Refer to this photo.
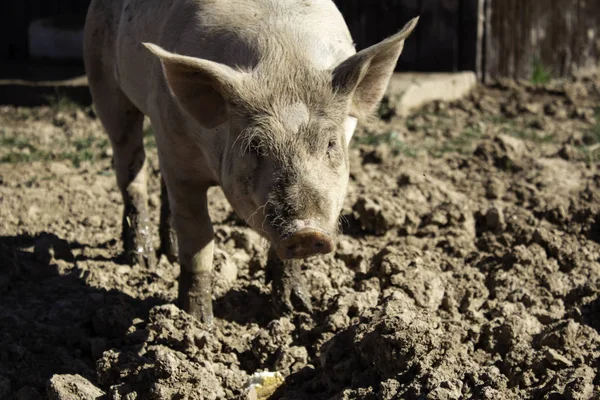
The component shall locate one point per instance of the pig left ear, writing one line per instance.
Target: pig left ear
(201, 87)
(365, 75)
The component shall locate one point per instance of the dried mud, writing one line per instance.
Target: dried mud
(468, 267)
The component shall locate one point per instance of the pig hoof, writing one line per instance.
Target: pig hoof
(169, 249)
(199, 309)
(145, 258)
(137, 245)
(195, 295)
(168, 243)
(143, 255)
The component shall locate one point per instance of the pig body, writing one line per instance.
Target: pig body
(260, 97)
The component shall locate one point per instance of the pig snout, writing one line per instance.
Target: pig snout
(303, 241)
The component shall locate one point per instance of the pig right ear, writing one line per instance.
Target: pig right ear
(365, 75)
(201, 87)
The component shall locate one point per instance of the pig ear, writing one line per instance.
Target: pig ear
(365, 75)
(202, 87)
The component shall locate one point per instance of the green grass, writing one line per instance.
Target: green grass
(594, 132)
(591, 149)
(77, 150)
(591, 154)
(387, 109)
(15, 142)
(499, 119)
(528, 134)
(511, 128)
(149, 140)
(540, 74)
(58, 102)
(462, 144)
(389, 138)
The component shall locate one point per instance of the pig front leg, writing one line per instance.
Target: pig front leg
(123, 123)
(288, 287)
(168, 237)
(195, 238)
(136, 235)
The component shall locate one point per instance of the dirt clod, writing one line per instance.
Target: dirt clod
(72, 387)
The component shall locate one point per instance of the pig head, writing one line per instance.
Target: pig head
(274, 135)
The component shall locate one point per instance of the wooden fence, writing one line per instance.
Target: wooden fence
(15, 16)
(492, 37)
(444, 40)
(560, 36)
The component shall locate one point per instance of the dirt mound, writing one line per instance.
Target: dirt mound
(468, 267)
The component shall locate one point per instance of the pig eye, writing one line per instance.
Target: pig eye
(332, 145)
(255, 149)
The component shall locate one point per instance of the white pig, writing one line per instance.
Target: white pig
(260, 97)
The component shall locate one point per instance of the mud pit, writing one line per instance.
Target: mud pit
(469, 266)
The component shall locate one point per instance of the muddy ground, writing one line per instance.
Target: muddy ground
(468, 268)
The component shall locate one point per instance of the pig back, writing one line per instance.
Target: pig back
(238, 33)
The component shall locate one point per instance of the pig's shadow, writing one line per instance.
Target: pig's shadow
(590, 314)
(245, 306)
(52, 322)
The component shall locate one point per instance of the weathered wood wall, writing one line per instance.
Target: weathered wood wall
(15, 16)
(492, 37)
(562, 35)
(444, 40)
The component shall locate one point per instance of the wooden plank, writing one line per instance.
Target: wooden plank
(80, 6)
(4, 36)
(469, 35)
(438, 38)
(585, 40)
(559, 36)
(18, 29)
(409, 60)
(46, 8)
(370, 21)
(34, 11)
(15, 17)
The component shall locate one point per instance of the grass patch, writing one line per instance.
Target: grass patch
(593, 134)
(527, 134)
(391, 139)
(59, 102)
(540, 74)
(26, 157)
(511, 128)
(499, 119)
(76, 150)
(591, 149)
(591, 154)
(15, 142)
(149, 139)
(462, 144)
(387, 106)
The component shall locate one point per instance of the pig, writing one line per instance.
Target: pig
(260, 97)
